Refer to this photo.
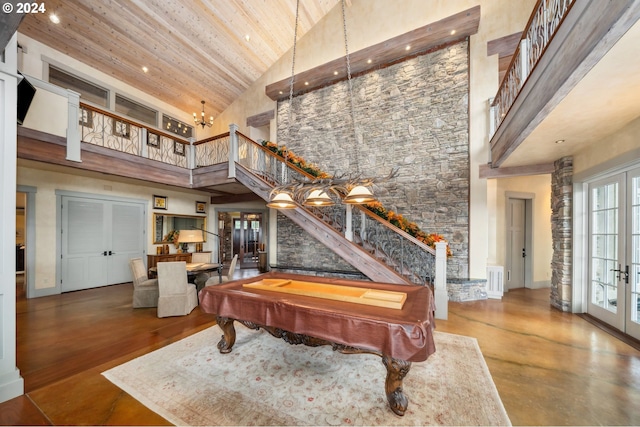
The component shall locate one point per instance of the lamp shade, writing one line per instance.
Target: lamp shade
(358, 195)
(190, 236)
(282, 201)
(318, 198)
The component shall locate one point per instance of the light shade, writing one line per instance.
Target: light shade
(282, 201)
(358, 195)
(318, 198)
(190, 236)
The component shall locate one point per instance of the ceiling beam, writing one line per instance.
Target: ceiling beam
(486, 171)
(420, 41)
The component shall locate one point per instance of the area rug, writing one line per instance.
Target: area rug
(265, 381)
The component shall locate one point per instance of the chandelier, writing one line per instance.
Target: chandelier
(350, 189)
(200, 121)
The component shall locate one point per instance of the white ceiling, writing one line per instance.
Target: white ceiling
(604, 101)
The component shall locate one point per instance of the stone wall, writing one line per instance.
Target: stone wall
(413, 115)
(562, 233)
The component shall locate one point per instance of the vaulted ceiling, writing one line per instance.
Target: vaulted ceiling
(194, 50)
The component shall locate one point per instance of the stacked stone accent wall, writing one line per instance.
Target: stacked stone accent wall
(562, 233)
(413, 115)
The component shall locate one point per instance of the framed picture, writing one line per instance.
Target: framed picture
(86, 118)
(201, 207)
(159, 202)
(178, 148)
(153, 139)
(121, 128)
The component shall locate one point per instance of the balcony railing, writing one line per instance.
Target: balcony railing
(105, 129)
(542, 26)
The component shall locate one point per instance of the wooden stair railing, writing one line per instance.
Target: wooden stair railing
(360, 237)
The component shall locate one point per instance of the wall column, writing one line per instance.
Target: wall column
(562, 233)
(11, 383)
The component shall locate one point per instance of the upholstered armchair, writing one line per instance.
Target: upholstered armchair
(215, 279)
(145, 290)
(177, 296)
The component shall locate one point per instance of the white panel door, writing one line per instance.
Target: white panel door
(98, 239)
(127, 239)
(632, 293)
(516, 220)
(84, 236)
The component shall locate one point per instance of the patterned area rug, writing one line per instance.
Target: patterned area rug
(265, 381)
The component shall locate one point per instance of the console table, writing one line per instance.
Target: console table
(153, 260)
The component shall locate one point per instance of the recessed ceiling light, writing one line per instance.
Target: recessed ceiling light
(280, 92)
(306, 83)
(54, 18)
(247, 37)
(145, 69)
(408, 47)
(453, 32)
(335, 73)
(559, 141)
(368, 61)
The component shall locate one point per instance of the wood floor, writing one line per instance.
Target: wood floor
(550, 368)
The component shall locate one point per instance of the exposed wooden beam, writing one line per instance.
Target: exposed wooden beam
(261, 119)
(486, 171)
(420, 40)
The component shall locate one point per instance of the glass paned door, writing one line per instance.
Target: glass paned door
(633, 256)
(606, 238)
(614, 252)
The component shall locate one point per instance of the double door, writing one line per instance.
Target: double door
(98, 238)
(248, 238)
(614, 251)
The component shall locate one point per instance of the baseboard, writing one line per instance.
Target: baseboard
(627, 339)
(12, 386)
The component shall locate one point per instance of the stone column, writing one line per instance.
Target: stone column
(562, 233)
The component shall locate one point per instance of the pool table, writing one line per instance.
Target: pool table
(398, 335)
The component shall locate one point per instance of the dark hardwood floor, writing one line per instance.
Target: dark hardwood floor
(550, 368)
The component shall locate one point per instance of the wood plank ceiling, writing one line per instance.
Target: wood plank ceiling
(194, 49)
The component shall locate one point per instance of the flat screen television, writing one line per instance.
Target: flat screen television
(26, 92)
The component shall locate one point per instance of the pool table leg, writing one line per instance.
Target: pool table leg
(396, 371)
(229, 338)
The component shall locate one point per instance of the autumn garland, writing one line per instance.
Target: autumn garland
(394, 218)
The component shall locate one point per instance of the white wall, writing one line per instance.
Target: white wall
(542, 245)
(179, 201)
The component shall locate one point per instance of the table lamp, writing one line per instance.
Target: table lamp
(189, 236)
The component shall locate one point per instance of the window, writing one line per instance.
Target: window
(135, 111)
(88, 91)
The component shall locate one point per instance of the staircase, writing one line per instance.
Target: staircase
(375, 247)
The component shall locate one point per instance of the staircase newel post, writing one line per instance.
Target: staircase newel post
(233, 149)
(191, 158)
(440, 285)
(348, 232)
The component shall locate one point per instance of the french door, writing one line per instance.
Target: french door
(614, 251)
(98, 238)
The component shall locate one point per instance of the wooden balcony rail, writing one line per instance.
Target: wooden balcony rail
(547, 16)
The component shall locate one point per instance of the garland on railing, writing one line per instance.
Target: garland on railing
(394, 218)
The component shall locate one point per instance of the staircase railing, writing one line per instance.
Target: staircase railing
(409, 257)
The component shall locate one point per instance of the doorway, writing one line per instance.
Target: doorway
(518, 247)
(248, 236)
(614, 244)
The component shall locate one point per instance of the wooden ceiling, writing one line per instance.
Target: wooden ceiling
(194, 49)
